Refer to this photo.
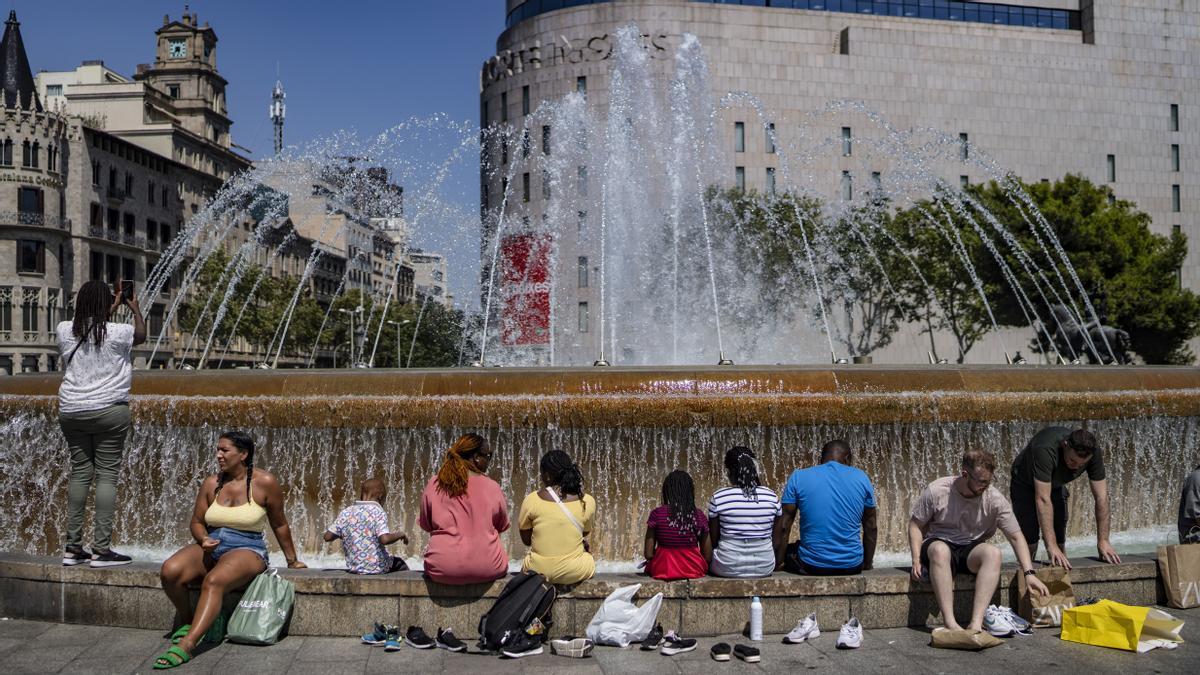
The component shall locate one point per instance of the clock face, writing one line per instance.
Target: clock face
(177, 49)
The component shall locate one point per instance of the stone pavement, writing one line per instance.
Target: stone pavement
(36, 647)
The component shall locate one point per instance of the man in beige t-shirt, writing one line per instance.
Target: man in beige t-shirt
(948, 532)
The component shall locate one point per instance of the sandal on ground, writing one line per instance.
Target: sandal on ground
(180, 633)
(173, 657)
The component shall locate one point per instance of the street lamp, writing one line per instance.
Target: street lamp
(397, 324)
(351, 312)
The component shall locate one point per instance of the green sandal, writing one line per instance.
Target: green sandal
(173, 657)
(180, 633)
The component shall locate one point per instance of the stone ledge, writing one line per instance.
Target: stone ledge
(332, 602)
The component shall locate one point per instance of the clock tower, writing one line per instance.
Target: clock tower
(185, 70)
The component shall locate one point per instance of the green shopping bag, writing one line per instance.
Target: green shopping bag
(263, 610)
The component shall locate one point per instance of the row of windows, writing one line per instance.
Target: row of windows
(115, 190)
(129, 152)
(946, 10)
(30, 154)
(31, 309)
(113, 219)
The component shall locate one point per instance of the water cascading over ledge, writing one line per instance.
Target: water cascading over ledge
(321, 432)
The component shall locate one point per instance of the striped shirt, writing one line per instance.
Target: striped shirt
(741, 517)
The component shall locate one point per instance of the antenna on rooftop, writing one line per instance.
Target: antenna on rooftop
(278, 111)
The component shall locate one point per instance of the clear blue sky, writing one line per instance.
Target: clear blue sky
(353, 64)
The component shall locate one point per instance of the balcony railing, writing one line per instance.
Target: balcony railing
(36, 219)
(115, 193)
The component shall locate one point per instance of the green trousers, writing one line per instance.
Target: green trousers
(97, 442)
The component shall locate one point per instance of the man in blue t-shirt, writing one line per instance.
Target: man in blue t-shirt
(834, 500)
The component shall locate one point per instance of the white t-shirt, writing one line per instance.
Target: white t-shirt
(96, 377)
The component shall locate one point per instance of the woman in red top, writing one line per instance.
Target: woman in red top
(677, 542)
(464, 513)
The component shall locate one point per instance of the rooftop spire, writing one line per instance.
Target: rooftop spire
(15, 75)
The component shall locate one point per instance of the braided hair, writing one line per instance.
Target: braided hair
(557, 466)
(452, 477)
(742, 471)
(244, 442)
(679, 495)
(92, 305)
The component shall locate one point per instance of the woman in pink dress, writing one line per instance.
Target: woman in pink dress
(464, 513)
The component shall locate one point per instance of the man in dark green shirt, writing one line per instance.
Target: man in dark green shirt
(1054, 457)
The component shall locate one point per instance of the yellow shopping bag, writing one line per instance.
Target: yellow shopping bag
(1111, 624)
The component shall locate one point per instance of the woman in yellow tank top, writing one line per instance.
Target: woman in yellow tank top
(233, 508)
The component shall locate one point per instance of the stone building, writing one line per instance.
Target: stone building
(1107, 89)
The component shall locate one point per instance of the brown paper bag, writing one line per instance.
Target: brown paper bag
(1179, 569)
(1044, 611)
(969, 640)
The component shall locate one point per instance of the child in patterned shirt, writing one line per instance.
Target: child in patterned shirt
(363, 529)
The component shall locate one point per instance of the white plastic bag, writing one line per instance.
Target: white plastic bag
(619, 622)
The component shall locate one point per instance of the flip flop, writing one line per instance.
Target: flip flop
(172, 658)
(180, 633)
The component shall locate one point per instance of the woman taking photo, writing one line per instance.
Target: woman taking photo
(464, 513)
(93, 412)
(233, 508)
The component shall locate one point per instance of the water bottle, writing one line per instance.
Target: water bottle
(756, 619)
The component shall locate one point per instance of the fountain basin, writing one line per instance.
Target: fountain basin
(323, 431)
(332, 602)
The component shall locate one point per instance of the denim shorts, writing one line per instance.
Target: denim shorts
(232, 540)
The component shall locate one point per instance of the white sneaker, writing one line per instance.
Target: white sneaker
(851, 635)
(1019, 624)
(807, 629)
(997, 623)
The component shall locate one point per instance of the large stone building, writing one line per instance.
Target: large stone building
(1106, 88)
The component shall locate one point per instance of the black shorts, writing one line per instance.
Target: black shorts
(1024, 506)
(792, 563)
(958, 555)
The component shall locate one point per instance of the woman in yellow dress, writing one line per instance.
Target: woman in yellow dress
(555, 522)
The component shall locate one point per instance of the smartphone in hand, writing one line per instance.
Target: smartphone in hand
(126, 291)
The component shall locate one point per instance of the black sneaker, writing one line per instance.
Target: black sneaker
(721, 651)
(747, 653)
(447, 641)
(76, 555)
(416, 637)
(523, 645)
(654, 639)
(673, 644)
(109, 558)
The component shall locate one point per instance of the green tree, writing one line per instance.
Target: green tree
(1132, 272)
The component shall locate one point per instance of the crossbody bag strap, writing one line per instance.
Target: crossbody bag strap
(565, 510)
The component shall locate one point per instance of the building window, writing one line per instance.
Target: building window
(97, 216)
(51, 158)
(581, 85)
(525, 186)
(580, 221)
(31, 256)
(770, 140)
(583, 272)
(739, 177)
(877, 181)
(545, 139)
(151, 230)
(546, 184)
(114, 219)
(5, 309)
(525, 100)
(31, 206)
(1175, 200)
(504, 150)
(128, 184)
(97, 270)
(582, 181)
(29, 312)
(6, 152)
(26, 156)
(963, 182)
(964, 147)
(173, 90)
(1112, 168)
(504, 106)
(165, 194)
(771, 180)
(53, 90)
(847, 186)
(156, 320)
(847, 142)
(583, 317)
(128, 269)
(96, 173)
(1175, 157)
(112, 179)
(150, 191)
(130, 223)
(739, 136)
(1174, 117)
(525, 143)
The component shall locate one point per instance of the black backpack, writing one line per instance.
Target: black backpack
(526, 597)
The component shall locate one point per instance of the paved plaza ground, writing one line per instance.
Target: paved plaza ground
(36, 647)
